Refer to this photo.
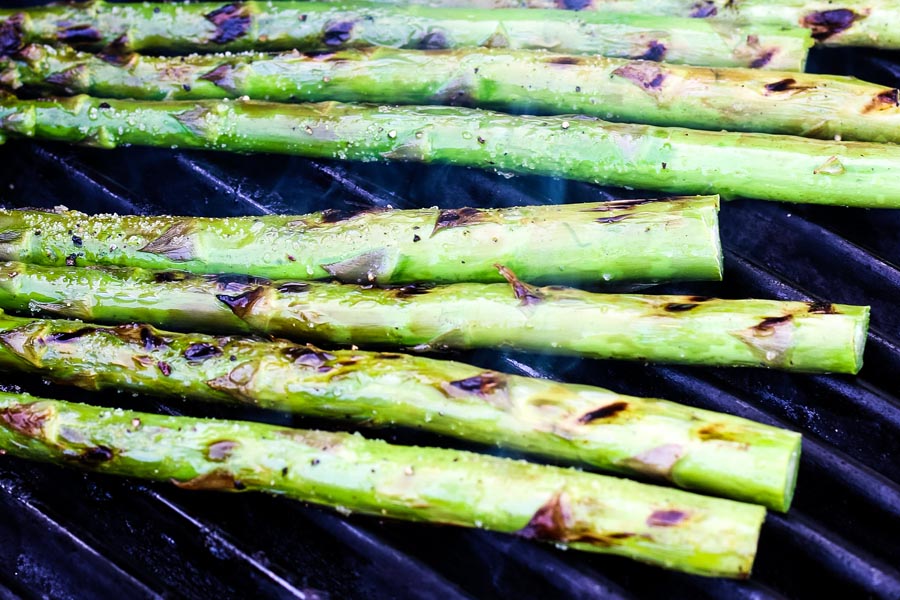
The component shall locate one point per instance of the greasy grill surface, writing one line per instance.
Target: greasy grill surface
(69, 534)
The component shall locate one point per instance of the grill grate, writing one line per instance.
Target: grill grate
(72, 535)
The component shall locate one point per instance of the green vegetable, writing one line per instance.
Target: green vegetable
(674, 160)
(688, 447)
(506, 80)
(173, 28)
(870, 23)
(610, 241)
(802, 336)
(665, 527)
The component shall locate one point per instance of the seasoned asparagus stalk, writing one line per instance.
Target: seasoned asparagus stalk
(689, 447)
(801, 336)
(870, 23)
(665, 527)
(506, 80)
(313, 26)
(673, 160)
(609, 241)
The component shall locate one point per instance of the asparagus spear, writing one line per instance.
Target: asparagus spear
(674, 160)
(609, 241)
(801, 336)
(689, 447)
(313, 26)
(870, 23)
(521, 81)
(665, 527)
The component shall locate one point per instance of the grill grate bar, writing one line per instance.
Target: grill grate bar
(218, 183)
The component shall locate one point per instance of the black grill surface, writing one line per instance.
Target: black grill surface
(66, 534)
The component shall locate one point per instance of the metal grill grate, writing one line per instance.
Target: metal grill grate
(66, 534)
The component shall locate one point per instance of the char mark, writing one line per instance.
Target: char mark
(222, 77)
(666, 518)
(458, 217)
(241, 304)
(68, 336)
(827, 23)
(822, 308)
(96, 455)
(141, 334)
(762, 60)
(201, 351)
(309, 356)
(26, 419)
(232, 21)
(883, 100)
(235, 282)
(573, 4)
(603, 412)
(335, 215)
(680, 307)
(220, 450)
(528, 294)
(11, 38)
(704, 9)
(433, 40)
(337, 33)
(484, 384)
(564, 60)
(770, 323)
(786, 85)
(117, 52)
(214, 480)
(656, 51)
(76, 35)
(649, 77)
(293, 287)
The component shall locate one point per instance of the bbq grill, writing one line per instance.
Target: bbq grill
(67, 534)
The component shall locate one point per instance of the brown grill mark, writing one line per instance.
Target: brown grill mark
(140, 334)
(485, 384)
(656, 51)
(77, 34)
(827, 23)
(232, 21)
(769, 324)
(308, 356)
(564, 60)
(27, 419)
(762, 60)
(457, 217)
(335, 215)
(174, 242)
(96, 455)
(68, 336)
(884, 100)
(337, 33)
(164, 368)
(411, 290)
(201, 351)
(786, 85)
(666, 518)
(433, 40)
(549, 522)
(11, 38)
(528, 294)
(230, 282)
(221, 450)
(603, 412)
(214, 480)
(573, 4)
(680, 307)
(221, 76)
(649, 77)
(293, 287)
(117, 52)
(822, 308)
(170, 276)
(702, 10)
(241, 304)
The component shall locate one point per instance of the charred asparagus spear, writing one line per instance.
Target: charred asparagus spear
(312, 26)
(674, 160)
(799, 336)
(689, 447)
(665, 527)
(609, 241)
(508, 80)
(870, 23)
